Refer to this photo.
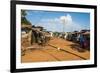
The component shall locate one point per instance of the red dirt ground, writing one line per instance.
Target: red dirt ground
(68, 51)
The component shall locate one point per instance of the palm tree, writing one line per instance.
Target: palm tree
(23, 18)
(23, 13)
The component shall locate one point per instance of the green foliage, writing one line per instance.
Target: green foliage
(23, 18)
(25, 21)
(23, 13)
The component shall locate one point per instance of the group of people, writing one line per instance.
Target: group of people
(77, 37)
(39, 37)
(84, 40)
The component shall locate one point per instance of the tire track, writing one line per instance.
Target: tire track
(68, 52)
(51, 55)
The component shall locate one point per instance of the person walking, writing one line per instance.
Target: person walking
(81, 40)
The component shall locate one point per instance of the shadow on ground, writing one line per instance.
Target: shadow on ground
(78, 48)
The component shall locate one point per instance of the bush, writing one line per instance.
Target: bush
(25, 21)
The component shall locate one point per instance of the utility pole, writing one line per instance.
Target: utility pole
(64, 25)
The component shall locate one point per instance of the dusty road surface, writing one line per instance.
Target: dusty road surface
(57, 49)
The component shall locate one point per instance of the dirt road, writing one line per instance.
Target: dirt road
(67, 51)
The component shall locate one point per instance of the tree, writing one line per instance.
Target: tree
(23, 13)
(24, 19)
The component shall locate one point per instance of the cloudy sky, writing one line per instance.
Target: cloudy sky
(59, 21)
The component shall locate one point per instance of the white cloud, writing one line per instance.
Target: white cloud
(70, 24)
(56, 24)
(73, 27)
(53, 21)
(61, 20)
(66, 19)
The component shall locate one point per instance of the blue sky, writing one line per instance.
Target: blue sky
(59, 21)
